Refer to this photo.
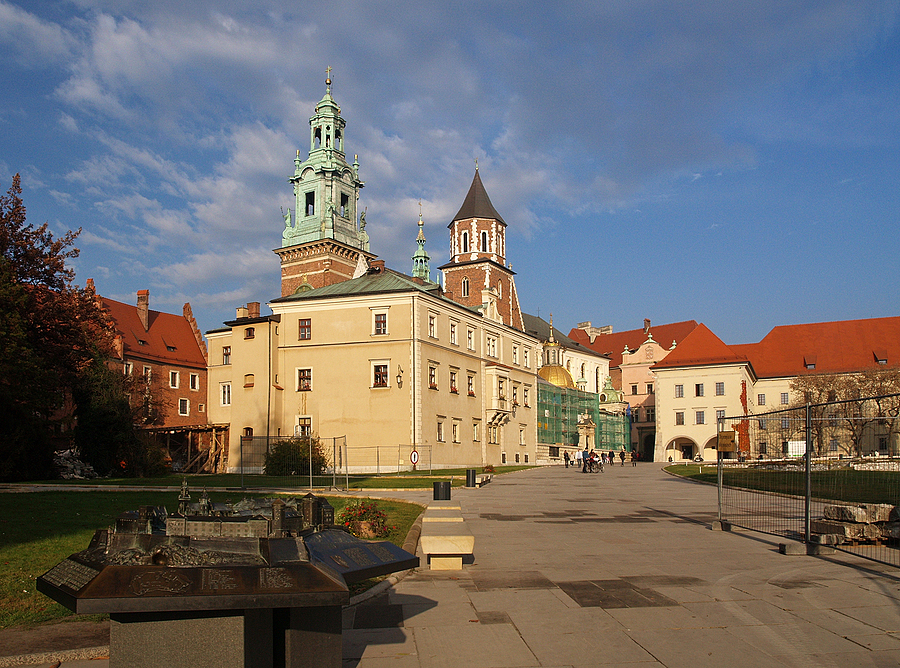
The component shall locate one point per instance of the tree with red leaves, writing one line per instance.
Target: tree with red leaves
(51, 331)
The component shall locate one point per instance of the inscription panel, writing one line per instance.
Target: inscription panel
(71, 574)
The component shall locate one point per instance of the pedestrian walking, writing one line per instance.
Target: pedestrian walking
(577, 459)
(585, 460)
(634, 457)
(622, 456)
(566, 457)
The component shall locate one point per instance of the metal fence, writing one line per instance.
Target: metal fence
(284, 462)
(824, 473)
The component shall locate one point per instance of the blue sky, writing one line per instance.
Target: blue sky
(735, 163)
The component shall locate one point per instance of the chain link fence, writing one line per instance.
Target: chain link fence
(825, 473)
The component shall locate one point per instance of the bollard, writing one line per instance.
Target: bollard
(442, 491)
(470, 477)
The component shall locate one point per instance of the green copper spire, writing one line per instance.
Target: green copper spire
(420, 258)
(326, 186)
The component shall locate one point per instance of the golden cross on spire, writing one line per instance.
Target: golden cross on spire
(328, 72)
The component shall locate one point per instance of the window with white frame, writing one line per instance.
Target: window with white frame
(720, 389)
(226, 354)
(515, 354)
(679, 418)
(173, 379)
(501, 388)
(381, 325)
(127, 368)
(453, 387)
(303, 427)
(465, 286)
(720, 414)
(515, 395)
(649, 385)
(521, 436)
(634, 389)
(525, 359)
(432, 377)
(454, 431)
(305, 329)
(453, 327)
(785, 398)
(679, 391)
(698, 389)
(440, 431)
(470, 384)
(490, 345)
(470, 338)
(225, 393)
(379, 374)
(700, 417)
(184, 407)
(525, 396)
(148, 374)
(432, 325)
(195, 381)
(304, 380)
(476, 431)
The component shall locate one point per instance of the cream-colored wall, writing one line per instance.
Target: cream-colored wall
(702, 437)
(572, 360)
(342, 401)
(635, 368)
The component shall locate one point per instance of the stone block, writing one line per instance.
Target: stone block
(846, 530)
(441, 515)
(862, 513)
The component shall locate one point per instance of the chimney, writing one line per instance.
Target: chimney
(253, 309)
(376, 267)
(143, 308)
(241, 312)
(646, 325)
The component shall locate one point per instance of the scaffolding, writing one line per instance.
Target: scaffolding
(559, 409)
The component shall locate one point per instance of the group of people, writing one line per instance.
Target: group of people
(590, 460)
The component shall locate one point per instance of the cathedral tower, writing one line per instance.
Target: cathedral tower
(323, 244)
(477, 274)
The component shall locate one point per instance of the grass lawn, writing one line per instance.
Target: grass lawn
(421, 479)
(836, 485)
(40, 529)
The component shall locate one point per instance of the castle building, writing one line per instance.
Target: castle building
(393, 363)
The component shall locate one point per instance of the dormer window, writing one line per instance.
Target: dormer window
(809, 362)
(881, 356)
(141, 342)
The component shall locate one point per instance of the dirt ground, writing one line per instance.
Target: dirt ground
(66, 635)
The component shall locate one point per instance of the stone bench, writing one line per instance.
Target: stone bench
(445, 540)
(484, 479)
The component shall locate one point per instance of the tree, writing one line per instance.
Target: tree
(856, 404)
(51, 331)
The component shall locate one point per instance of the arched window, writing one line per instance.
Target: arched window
(465, 242)
(484, 243)
(465, 287)
(500, 289)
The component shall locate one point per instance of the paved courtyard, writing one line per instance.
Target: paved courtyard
(620, 569)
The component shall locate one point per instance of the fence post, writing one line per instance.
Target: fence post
(808, 500)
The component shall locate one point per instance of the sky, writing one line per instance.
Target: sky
(734, 163)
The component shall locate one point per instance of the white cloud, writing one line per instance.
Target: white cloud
(37, 43)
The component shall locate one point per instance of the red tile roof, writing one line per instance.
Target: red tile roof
(834, 347)
(614, 344)
(831, 347)
(166, 331)
(700, 347)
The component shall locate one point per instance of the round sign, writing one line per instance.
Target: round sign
(414, 457)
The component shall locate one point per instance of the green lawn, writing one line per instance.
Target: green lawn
(39, 529)
(836, 485)
(421, 479)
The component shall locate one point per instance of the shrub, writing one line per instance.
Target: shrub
(364, 511)
(291, 457)
(488, 469)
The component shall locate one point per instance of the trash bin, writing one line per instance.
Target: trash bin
(470, 477)
(442, 490)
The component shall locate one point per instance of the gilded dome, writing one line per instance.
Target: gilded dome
(553, 373)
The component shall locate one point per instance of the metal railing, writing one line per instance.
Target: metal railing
(825, 473)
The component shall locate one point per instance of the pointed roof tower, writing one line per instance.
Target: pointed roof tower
(324, 241)
(478, 274)
(420, 258)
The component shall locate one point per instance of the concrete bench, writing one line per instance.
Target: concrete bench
(445, 540)
(484, 479)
